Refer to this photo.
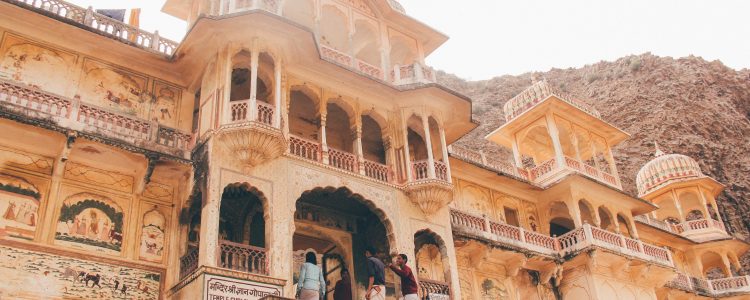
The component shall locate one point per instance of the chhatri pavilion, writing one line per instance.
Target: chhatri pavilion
(136, 167)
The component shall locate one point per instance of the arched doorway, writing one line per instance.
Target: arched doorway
(431, 264)
(337, 225)
(561, 222)
(242, 229)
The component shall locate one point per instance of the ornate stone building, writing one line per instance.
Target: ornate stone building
(132, 166)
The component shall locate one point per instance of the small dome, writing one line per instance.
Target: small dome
(664, 169)
(397, 6)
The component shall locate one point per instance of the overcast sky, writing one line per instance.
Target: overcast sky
(495, 37)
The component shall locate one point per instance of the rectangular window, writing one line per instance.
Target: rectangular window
(511, 216)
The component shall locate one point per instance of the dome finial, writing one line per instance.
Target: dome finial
(658, 150)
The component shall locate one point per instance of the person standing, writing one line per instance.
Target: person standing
(343, 289)
(311, 284)
(376, 274)
(409, 287)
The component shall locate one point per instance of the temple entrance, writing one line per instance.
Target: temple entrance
(337, 225)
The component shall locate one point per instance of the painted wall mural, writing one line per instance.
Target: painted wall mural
(36, 275)
(19, 205)
(152, 235)
(165, 108)
(90, 222)
(114, 88)
(493, 290)
(35, 65)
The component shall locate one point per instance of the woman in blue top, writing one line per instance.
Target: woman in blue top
(311, 284)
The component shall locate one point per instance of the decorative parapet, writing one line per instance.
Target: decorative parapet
(31, 105)
(711, 287)
(565, 245)
(537, 93)
(542, 175)
(101, 24)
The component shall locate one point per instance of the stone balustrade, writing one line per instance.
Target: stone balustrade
(570, 243)
(433, 289)
(189, 262)
(537, 93)
(243, 258)
(100, 24)
(486, 161)
(34, 105)
(711, 287)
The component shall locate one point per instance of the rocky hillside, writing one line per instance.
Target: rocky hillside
(689, 105)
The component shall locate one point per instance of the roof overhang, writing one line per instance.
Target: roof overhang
(504, 135)
(705, 182)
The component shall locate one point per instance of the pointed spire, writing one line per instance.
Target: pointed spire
(658, 150)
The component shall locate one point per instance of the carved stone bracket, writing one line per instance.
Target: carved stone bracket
(251, 144)
(430, 195)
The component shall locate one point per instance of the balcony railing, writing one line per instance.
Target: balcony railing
(31, 102)
(711, 287)
(432, 289)
(243, 258)
(369, 69)
(342, 160)
(421, 170)
(304, 148)
(239, 112)
(189, 262)
(537, 93)
(377, 171)
(489, 162)
(569, 243)
(335, 56)
(101, 24)
(414, 73)
(683, 228)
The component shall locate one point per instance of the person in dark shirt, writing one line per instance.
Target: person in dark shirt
(409, 286)
(376, 274)
(343, 289)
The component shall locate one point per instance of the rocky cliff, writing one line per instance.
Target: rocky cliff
(689, 105)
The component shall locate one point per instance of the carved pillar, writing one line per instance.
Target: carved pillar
(390, 156)
(517, 153)
(677, 205)
(407, 156)
(254, 85)
(277, 94)
(358, 144)
(555, 134)
(323, 141)
(428, 142)
(209, 231)
(445, 154)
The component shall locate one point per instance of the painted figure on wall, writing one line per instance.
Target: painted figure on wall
(114, 89)
(35, 275)
(152, 236)
(164, 108)
(34, 65)
(19, 204)
(492, 290)
(90, 222)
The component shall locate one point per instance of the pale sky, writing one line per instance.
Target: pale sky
(496, 37)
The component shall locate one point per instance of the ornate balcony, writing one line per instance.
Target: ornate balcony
(189, 262)
(31, 105)
(571, 243)
(430, 194)
(251, 141)
(711, 287)
(700, 230)
(100, 24)
(411, 74)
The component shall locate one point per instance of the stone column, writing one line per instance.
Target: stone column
(323, 141)
(428, 142)
(407, 156)
(277, 94)
(444, 147)
(253, 109)
(358, 144)
(555, 135)
(678, 206)
(517, 153)
(209, 231)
